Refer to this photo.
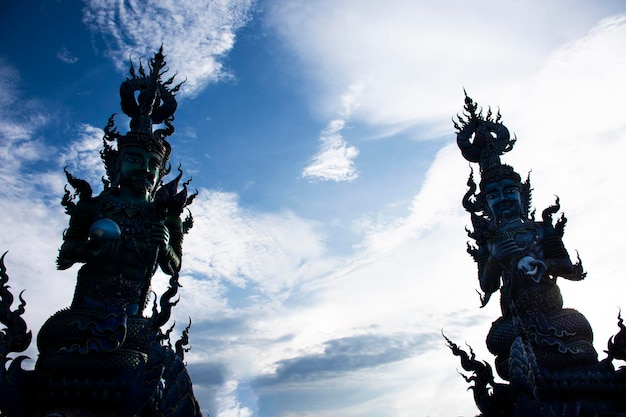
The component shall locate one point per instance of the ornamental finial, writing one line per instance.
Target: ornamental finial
(482, 139)
(147, 100)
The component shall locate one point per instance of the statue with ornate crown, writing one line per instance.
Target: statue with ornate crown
(542, 350)
(102, 356)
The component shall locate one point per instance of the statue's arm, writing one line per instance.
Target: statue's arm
(557, 259)
(75, 236)
(171, 254)
(489, 273)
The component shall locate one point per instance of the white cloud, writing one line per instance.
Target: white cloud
(196, 35)
(335, 159)
(243, 247)
(228, 405)
(32, 219)
(82, 156)
(417, 56)
(20, 118)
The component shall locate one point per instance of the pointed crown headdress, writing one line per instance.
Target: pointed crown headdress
(154, 104)
(482, 140)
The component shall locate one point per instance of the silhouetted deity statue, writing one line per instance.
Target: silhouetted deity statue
(542, 348)
(102, 356)
(523, 258)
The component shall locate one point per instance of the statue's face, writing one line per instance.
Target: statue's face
(504, 200)
(139, 169)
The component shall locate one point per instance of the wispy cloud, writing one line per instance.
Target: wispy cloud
(20, 120)
(418, 56)
(196, 35)
(66, 56)
(228, 402)
(246, 248)
(335, 159)
(82, 156)
(30, 222)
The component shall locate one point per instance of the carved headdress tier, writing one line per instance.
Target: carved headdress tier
(147, 100)
(482, 139)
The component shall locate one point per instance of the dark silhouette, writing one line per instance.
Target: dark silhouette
(102, 356)
(543, 350)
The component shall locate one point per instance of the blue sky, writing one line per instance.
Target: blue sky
(328, 250)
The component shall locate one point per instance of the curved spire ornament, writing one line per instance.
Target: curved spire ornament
(148, 100)
(482, 139)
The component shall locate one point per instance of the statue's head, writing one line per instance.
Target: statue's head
(141, 148)
(139, 169)
(502, 196)
(482, 139)
(140, 162)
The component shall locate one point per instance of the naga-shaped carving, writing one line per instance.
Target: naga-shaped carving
(155, 102)
(482, 140)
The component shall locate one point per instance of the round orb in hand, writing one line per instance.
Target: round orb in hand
(103, 230)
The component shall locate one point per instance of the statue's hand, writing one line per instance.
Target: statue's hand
(503, 250)
(166, 255)
(98, 250)
(532, 267)
(159, 235)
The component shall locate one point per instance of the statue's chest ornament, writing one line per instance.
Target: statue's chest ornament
(526, 238)
(130, 217)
